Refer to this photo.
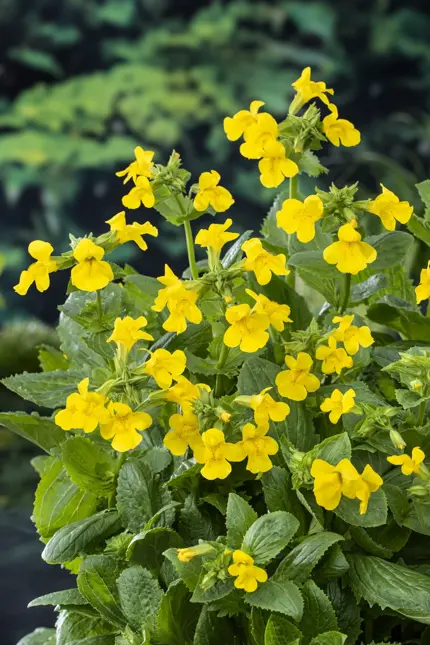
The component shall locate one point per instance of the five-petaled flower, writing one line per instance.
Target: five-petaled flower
(235, 126)
(183, 392)
(257, 135)
(278, 314)
(84, 410)
(142, 166)
(296, 382)
(351, 336)
(370, 483)
(123, 426)
(215, 453)
(131, 232)
(91, 273)
(216, 235)
(337, 404)
(262, 262)
(422, 291)
(179, 300)
(274, 165)
(211, 194)
(265, 407)
(247, 329)
(300, 217)
(307, 89)
(340, 131)
(141, 193)
(349, 254)
(246, 573)
(170, 282)
(184, 432)
(38, 272)
(334, 358)
(257, 447)
(127, 331)
(388, 207)
(409, 465)
(165, 367)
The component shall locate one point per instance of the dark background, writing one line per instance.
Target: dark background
(84, 81)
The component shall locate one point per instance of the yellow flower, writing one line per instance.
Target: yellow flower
(210, 194)
(123, 426)
(182, 306)
(370, 483)
(84, 410)
(340, 131)
(248, 330)
(184, 392)
(334, 358)
(274, 166)
(237, 125)
(296, 382)
(216, 235)
(190, 552)
(422, 291)
(265, 407)
(141, 167)
(308, 89)
(38, 272)
(127, 331)
(349, 254)
(409, 464)
(91, 273)
(215, 453)
(246, 573)
(262, 262)
(131, 232)
(330, 482)
(278, 314)
(141, 193)
(300, 217)
(257, 135)
(337, 404)
(257, 447)
(184, 432)
(170, 281)
(165, 367)
(388, 207)
(351, 336)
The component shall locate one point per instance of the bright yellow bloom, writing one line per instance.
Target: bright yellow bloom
(262, 262)
(370, 483)
(141, 167)
(141, 193)
(91, 273)
(84, 410)
(190, 552)
(388, 207)
(296, 382)
(182, 307)
(257, 135)
(248, 330)
(127, 331)
(330, 482)
(165, 367)
(337, 404)
(216, 235)
(210, 194)
(215, 453)
(340, 131)
(422, 291)
(334, 358)
(246, 573)
(308, 89)
(131, 232)
(278, 314)
(265, 407)
(274, 166)
(351, 336)
(38, 272)
(349, 254)
(184, 432)
(257, 447)
(237, 125)
(171, 282)
(409, 464)
(300, 217)
(123, 426)
(184, 392)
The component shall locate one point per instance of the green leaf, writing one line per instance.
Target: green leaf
(38, 59)
(329, 638)
(334, 565)
(364, 290)
(176, 622)
(269, 535)
(103, 639)
(40, 636)
(189, 572)
(333, 449)
(147, 548)
(279, 494)
(46, 389)
(89, 466)
(280, 631)
(39, 430)
(391, 247)
(363, 539)
(51, 359)
(240, 516)
(376, 514)
(347, 611)
(97, 583)
(74, 626)
(299, 563)
(76, 537)
(219, 590)
(282, 596)
(140, 596)
(65, 597)
(391, 313)
(197, 523)
(423, 188)
(212, 630)
(318, 613)
(420, 228)
(234, 253)
(408, 399)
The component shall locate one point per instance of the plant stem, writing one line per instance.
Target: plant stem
(346, 293)
(294, 184)
(99, 305)
(221, 361)
(421, 413)
(190, 250)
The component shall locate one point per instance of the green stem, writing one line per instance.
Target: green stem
(421, 413)
(294, 185)
(190, 250)
(99, 306)
(347, 290)
(221, 362)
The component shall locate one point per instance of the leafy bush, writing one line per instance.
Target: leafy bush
(223, 464)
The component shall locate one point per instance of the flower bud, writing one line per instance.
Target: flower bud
(397, 439)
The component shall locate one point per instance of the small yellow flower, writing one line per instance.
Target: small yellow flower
(296, 382)
(165, 367)
(184, 432)
(274, 166)
(265, 407)
(170, 282)
(409, 465)
(334, 358)
(237, 125)
(182, 308)
(210, 194)
(257, 135)
(257, 447)
(300, 217)
(225, 416)
(337, 404)
(127, 331)
(184, 392)
(262, 262)
(216, 235)
(246, 573)
(215, 453)
(141, 167)
(308, 89)
(84, 410)
(422, 291)
(123, 426)
(141, 193)
(340, 131)
(38, 272)
(247, 329)
(388, 207)
(330, 482)
(370, 483)
(91, 273)
(131, 232)
(278, 314)
(349, 254)
(188, 553)
(351, 336)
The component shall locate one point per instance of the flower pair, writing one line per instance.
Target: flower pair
(180, 300)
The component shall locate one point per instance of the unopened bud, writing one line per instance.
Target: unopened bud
(397, 439)
(188, 553)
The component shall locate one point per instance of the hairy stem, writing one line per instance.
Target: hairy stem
(221, 362)
(347, 290)
(190, 250)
